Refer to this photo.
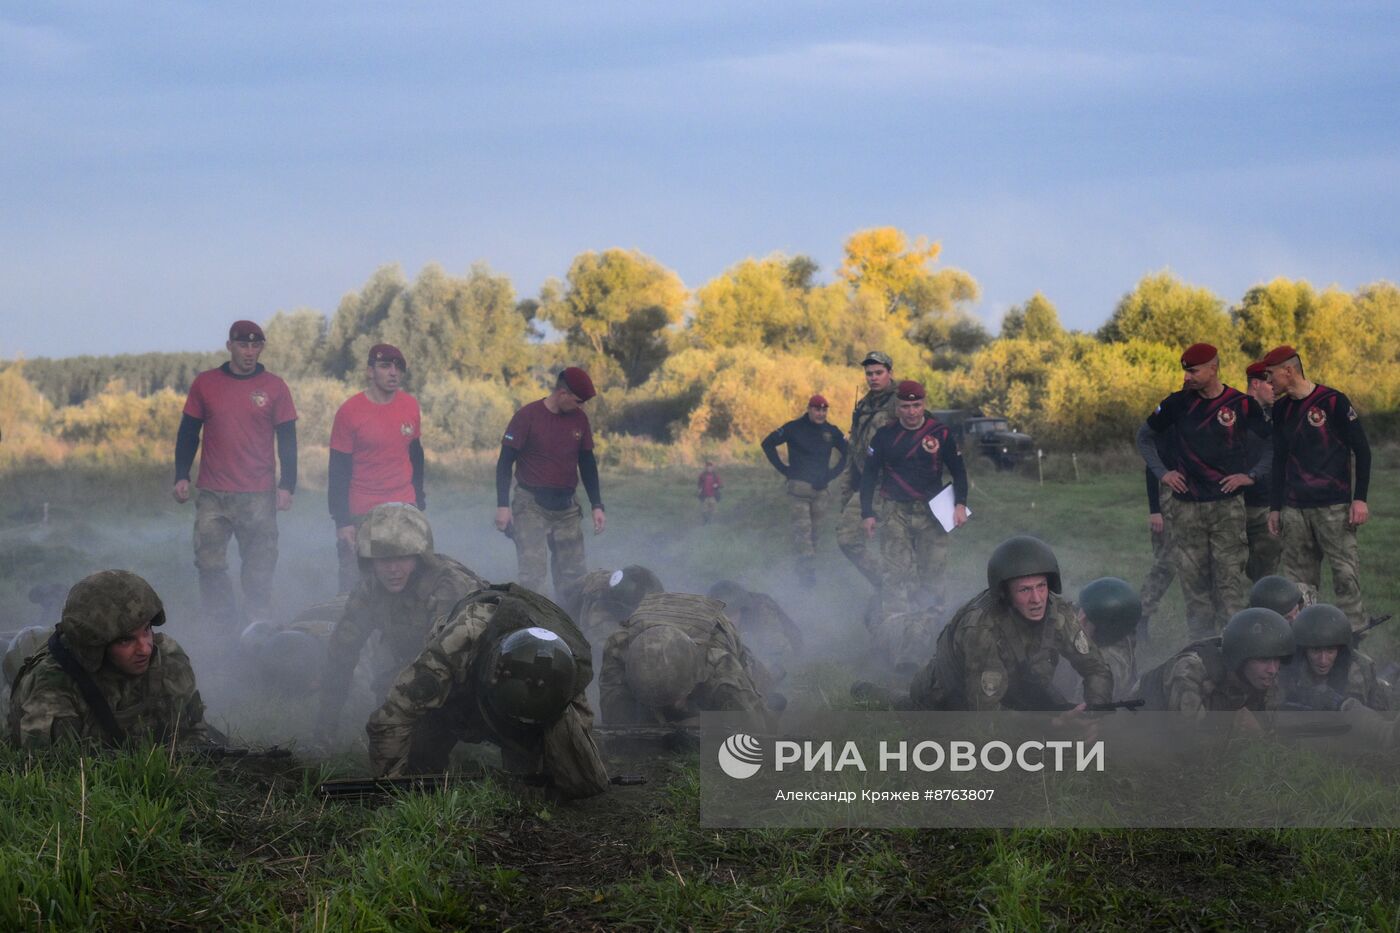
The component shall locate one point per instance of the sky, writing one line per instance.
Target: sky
(168, 167)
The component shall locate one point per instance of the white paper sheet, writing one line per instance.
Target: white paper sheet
(941, 506)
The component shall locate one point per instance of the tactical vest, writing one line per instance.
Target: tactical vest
(1154, 682)
(517, 608)
(697, 616)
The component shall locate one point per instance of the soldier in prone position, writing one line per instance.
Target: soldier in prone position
(1328, 673)
(105, 676)
(1238, 669)
(608, 597)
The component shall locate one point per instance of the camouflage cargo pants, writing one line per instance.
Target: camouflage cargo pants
(1309, 536)
(348, 559)
(913, 555)
(808, 508)
(1211, 550)
(850, 537)
(1163, 572)
(708, 506)
(548, 541)
(1264, 549)
(251, 519)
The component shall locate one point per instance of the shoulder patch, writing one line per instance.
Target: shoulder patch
(1081, 642)
(991, 682)
(509, 436)
(1351, 413)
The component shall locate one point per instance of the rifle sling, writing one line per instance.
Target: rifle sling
(91, 695)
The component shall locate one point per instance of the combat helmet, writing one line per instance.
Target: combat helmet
(1022, 556)
(661, 666)
(630, 585)
(290, 661)
(735, 598)
(1113, 606)
(1322, 626)
(1280, 594)
(394, 529)
(102, 608)
(527, 677)
(25, 643)
(1255, 633)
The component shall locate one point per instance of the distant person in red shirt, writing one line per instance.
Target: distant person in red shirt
(376, 454)
(550, 444)
(709, 485)
(241, 408)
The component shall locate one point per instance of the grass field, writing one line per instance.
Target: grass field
(147, 840)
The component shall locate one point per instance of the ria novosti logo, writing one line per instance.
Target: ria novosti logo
(741, 756)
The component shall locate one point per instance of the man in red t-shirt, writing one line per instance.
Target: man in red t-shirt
(376, 454)
(241, 408)
(708, 486)
(550, 444)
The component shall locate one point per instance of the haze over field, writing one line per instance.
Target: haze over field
(173, 167)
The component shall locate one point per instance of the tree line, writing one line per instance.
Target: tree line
(685, 373)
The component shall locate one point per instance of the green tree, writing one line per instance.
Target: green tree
(1275, 313)
(751, 304)
(1163, 309)
(1036, 320)
(359, 315)
(296, 344)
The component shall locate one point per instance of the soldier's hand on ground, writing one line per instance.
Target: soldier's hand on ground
(1360, 511)
(600, 521)
(1155, 523)
(1274, 527)
(502, 518)
(284, 500)
(1236, 481)
(869, 524)
(1175, 481)
(346, 533)
(181, 492)
(959, 516)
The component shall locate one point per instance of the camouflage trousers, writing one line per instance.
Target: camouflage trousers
(251, 519)
(850, 537)
(913, 555)
(1210, 549)
(808, 508)
(1163, 572)
(348, 558)
(708, 506)
(1309, 535)
(1264, 549)
(548, 541)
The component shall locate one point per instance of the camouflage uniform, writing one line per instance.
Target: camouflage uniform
(1353, 677)
(872, 412)
(1265, 550)
(1196, 681)
(26, 643)
(608, 597)
(913, 552)
(718, 672)
(902, 637)
(990, 658)
(548, 541)
(402, 619)
(436, 701)
(162, 705)
(1211, 550)
(1163, 572)
(251, 517)
(766, 630)
(808, 507)
(1310, 534)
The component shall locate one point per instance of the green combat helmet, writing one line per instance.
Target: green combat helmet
(1022, 556)
(662, 666)
(1277, 593)
(25, 643)
(1255, 633)
(630, 585)
(528, 676)
(394, 529)
(102, 608)
(1113, 606)
(735, 598)
(1322, 626)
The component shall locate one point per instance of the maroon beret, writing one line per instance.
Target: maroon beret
(245, 330)
(818, 401)
(909, 390)
(1198, 353)
(578, 382)
(1256, 370)
(1279, 355)
(387, 353)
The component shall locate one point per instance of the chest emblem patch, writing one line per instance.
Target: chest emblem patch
(578, 435)
(406, 429)
(991, 682)
(1226, 416)
(1317, 417)
(259, 398)
(929, 444)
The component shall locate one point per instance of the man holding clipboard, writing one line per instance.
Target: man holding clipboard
(905, 463)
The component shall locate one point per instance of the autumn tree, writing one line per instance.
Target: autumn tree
(1163, 309)
(358, 316)
(1036, 320)
(296, 344)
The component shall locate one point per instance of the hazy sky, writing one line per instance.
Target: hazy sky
(168, 167)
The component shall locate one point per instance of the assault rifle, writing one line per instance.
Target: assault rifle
(671, 738)
(237, 753)
(362, 788)
(1371, 623)
(1129, 705)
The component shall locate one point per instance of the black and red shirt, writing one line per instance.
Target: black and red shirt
(1210, 442)
(1314, 440)
(908, 464)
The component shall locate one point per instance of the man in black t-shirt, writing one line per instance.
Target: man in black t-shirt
(1313, 504)
(1264, 546)
(1212, 465)
(809, 442)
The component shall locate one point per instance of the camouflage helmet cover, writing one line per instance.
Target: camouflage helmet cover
(394, 529)
(1280, 594)
(1255, 633)
(1112, 605)
(102, 608)
(630, 585)
(528, 676)
(1322, 626)
(661, 666)
(1022, 556)
(25, 643)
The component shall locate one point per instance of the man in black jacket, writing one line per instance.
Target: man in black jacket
(809, 441)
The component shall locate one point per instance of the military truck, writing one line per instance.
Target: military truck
(987, 436)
